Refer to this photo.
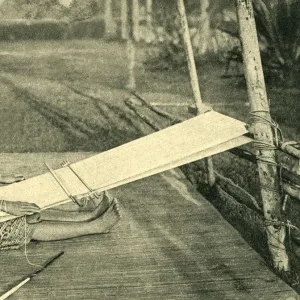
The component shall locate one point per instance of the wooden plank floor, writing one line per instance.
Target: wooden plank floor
(170, 244)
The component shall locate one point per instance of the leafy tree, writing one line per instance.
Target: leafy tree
(83, 9)
(278, 25)
(53, 9)
(32, 9)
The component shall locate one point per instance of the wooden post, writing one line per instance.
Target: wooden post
(149, 6)
(110, 27)
(135, 20)
(262, 129)
(194, 79)
(124, 19)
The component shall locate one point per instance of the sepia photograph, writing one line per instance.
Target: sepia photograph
(150, 149)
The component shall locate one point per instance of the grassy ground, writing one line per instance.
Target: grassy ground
(40, 112)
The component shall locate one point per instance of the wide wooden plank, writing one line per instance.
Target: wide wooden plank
(160, 148)
(170, 244)
(236, 142)
(183, 143)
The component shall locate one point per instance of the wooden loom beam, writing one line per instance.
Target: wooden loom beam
(194, 80)
(183, 143)
(263, 135)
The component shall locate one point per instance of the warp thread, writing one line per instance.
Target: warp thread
(256, 117)
(25, 245)
(3, 207)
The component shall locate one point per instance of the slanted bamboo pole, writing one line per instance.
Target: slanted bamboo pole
(194, 79)
(190, 55)
(263, 135)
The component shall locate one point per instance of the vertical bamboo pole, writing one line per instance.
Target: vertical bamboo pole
(136, 20)
(131, 38)
(124, 19)
(194, 79)
(262, 129)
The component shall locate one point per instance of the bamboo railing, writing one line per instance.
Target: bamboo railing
(262, 128)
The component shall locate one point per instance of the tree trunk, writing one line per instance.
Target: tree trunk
(131, 84)
(263, 134)
(204, 30)
(124, 19)
(149, 7)
(135, 20)
(110, 26)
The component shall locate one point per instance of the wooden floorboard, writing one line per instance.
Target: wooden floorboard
(170, 244)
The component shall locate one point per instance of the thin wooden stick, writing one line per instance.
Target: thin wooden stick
(28, 278)
(14, 289)
(194, 79)
(69, 195)
(262, 129)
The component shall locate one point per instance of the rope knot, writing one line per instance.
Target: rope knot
(258, 117)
